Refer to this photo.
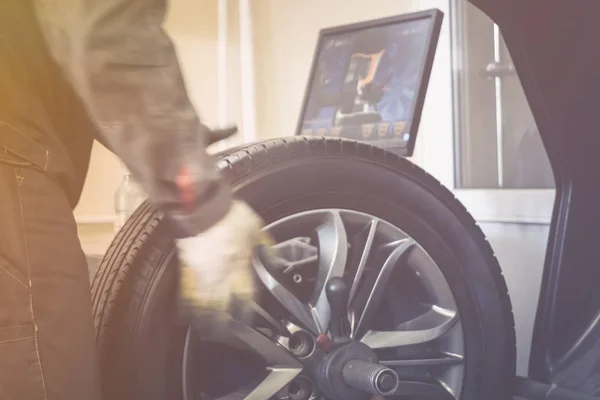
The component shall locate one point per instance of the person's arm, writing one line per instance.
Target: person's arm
(124, 67)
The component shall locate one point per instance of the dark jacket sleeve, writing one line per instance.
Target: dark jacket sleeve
(124, 67)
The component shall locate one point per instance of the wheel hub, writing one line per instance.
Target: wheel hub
(350, 371)
(346, 369)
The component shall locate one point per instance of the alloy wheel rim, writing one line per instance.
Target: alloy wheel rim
(424, 345)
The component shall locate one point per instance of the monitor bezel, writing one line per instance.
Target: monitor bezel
(436, 16)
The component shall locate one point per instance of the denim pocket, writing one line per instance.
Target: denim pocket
(20, 371)
(15, 308)
(9, 158)
(13, 273)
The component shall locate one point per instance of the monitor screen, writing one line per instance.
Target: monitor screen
(368, 80)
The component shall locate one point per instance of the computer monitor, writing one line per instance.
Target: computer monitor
(368, 80)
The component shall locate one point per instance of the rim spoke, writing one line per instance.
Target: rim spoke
(276, 380)
(444, 360)
(295, 253)
(424, 390)
(425, 328)
(275, 355)
(333, 253)
(282, 365)
(377, 291)
(435, 284)
(287, 299)
(363, 259)
(271, 322)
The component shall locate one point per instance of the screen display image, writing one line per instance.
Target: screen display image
(365, 82)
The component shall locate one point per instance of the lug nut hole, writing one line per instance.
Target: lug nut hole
(295, 389)
(301, 388)
(301, 344)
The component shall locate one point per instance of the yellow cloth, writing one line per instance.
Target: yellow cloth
(216, 266)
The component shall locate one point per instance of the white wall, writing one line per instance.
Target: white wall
(192, 25)
(104, 175)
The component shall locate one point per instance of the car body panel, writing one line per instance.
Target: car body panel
(555, 47)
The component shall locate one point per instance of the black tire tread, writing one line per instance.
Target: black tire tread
(123, 252)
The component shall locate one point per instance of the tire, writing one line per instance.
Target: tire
(138, 334)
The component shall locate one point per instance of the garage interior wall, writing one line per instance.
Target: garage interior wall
(192, 24)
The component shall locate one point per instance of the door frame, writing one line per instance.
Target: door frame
(438, 147)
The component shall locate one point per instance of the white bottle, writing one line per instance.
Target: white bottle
(128, 198)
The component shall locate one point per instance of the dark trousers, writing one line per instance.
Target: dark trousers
(47, 338)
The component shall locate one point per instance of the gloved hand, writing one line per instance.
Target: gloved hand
(216, 265)
(216, 135)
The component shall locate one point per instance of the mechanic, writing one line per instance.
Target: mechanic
(72, 71)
